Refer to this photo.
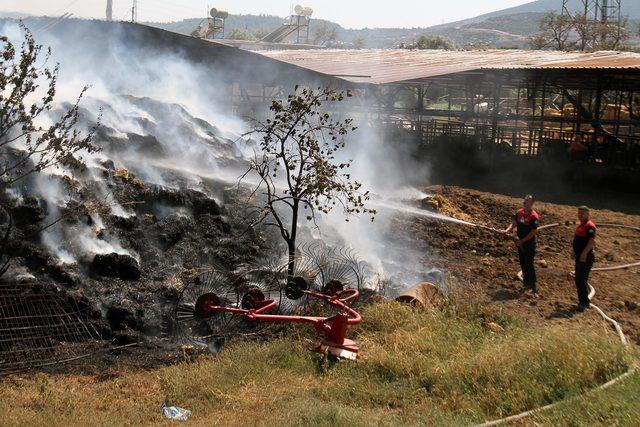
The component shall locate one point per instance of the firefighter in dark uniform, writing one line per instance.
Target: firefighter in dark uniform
(526, 222)
(583, 245)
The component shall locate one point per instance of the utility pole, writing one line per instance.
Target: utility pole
(134, 11)
(109, 10)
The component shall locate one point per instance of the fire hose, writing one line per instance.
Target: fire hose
(615, 324)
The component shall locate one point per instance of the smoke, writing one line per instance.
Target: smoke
(388, 170)
(165, 118)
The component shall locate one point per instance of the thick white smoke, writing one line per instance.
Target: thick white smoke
(162, 120)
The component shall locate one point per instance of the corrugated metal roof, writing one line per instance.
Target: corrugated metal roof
(398, 65)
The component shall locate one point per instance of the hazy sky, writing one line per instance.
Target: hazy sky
(348, 13)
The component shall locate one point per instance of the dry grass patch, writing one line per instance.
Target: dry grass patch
(417, 367)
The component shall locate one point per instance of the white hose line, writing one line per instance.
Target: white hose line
(615, 324)
(608, 384)
(617, 267)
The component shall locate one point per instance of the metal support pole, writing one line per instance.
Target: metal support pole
(542, 112)
(516, 136)
(532, 121)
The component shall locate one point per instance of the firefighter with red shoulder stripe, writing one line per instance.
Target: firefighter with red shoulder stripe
(526, 221)
(583, 253)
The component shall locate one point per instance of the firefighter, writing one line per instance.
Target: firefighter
(583, 245)
(526, 221)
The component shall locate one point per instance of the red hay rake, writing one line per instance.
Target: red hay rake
(333, 328)
(215, 306)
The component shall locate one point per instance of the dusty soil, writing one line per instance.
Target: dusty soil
(477, 258)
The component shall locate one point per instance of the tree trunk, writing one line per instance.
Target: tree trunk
(291, 242)
(292, 259)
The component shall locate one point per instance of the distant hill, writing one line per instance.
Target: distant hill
(630, 8)
(253, 24)
(249, 23)
(14, 15)
(506, 28)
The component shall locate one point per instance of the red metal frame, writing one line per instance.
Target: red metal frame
(333, 328)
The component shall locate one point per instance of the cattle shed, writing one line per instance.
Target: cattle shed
(528, 103)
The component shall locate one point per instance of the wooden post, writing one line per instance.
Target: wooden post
(542, 112)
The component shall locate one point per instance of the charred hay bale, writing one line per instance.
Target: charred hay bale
(123, 223)
(124, 267)
(202, 204)
(172, 229)
(158, 195)
(121, 318)
(40, 262)
(28, 213)
(213, 226)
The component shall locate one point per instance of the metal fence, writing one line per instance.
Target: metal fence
(40, 326)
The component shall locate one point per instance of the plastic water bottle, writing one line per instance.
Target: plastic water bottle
(175, 413)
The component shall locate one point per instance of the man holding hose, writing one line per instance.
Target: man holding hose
(583, 244)
(526, 222)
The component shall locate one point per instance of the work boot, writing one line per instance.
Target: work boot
(582, 307)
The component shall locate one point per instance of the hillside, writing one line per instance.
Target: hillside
(504, 28)
(256, 24)
(629, 8)
(495, 30)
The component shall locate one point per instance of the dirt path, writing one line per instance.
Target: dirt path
(475, 257)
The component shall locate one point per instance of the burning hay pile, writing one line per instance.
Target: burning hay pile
(98, 248)
(105, 201)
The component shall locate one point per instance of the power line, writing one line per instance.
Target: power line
(64, 8)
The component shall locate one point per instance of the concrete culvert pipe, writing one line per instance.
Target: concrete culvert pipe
(424, 293)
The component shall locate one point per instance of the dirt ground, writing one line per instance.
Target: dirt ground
(477, 258)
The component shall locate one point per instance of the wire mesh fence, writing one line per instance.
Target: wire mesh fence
(39, 326)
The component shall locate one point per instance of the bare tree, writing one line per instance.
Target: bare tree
(578, 32)
(27, 92)
(585, 30)
(325, 34)
(429, 41)
(240, 34)
(358, 42)
(554, 32)
(611, 36)
(297, 167)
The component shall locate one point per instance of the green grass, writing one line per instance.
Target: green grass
(417, 367)
(614, 406)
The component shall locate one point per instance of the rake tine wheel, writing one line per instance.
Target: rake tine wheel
(194, 328)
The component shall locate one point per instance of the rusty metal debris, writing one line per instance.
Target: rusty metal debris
(423, 293)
